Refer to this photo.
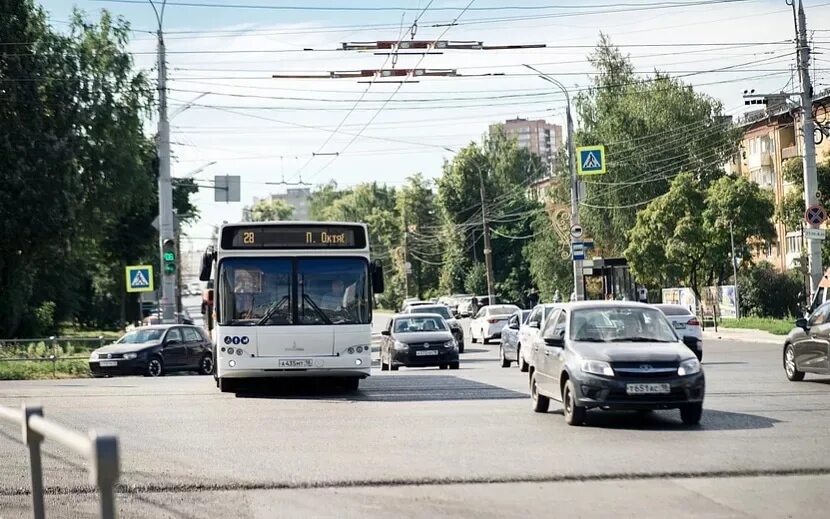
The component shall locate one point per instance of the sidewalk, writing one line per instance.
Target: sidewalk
(742, 335)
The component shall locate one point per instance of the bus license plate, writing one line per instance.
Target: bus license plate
(109, 363)
(426, 353)
(295, 363)
(648, 389)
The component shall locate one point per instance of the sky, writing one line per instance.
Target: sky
(271, 130)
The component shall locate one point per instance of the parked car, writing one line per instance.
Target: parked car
(614, 355)
(529, 330)
(508, 347)
(465, 307)
(411, 304)
(452, 322)
(417, 340)
(489, 322)
(807, 346)
(685, 323)
(153, 351)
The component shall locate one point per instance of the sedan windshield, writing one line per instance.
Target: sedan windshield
(620, 324)
(141, 336)
(443, 311)
(419, 324)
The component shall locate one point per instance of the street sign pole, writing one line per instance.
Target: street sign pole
(808, 128)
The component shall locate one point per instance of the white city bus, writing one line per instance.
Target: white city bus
(292, 299)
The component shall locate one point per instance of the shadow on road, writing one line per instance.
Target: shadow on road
(670, 421)
(399, 387)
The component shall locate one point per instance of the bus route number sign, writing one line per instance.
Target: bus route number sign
(293, 237)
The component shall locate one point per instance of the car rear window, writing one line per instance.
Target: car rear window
(674, 310)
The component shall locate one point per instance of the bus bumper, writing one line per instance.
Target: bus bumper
(231, 366)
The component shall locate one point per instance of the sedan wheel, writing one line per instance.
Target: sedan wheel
(155, 368)
(793, 374)
(574, 414)
(540, 402)
(504, 362)
(206, 366)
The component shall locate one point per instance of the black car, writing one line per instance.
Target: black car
(443, 311)
(417, 340)
(614, 355)
(153, 351)
(807, 347)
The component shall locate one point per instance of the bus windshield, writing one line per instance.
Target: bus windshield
(282, 291)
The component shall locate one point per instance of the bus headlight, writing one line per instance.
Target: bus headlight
(232, 363)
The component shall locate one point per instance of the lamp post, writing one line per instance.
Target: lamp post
(579, 285)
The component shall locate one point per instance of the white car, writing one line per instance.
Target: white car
(685, 324)
(489, 322)
(529, 330)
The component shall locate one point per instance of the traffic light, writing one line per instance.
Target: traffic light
(168, 256)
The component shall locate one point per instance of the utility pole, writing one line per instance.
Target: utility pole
(166, 227)
(734, 271)
(579, 283)
(808, 129)
(407, 266)
(488, 250)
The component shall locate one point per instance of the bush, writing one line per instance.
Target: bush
(766, 292)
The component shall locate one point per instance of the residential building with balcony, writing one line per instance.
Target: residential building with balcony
(771, 137)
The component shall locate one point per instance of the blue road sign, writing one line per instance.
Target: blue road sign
(139, 278)
(577, 251)
(591, 160)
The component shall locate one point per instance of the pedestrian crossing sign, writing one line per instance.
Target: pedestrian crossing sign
(140, 278)
(590, 160)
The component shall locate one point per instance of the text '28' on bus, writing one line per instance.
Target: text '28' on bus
(292, 299)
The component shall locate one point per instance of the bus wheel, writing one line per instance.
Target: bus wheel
(227, 385)
(351, 383)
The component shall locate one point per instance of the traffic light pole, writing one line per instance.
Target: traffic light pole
(165, 194)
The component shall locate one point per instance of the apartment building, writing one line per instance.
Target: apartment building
(537, 136)
(770, 137)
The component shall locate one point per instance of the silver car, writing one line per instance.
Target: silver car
(508, 347)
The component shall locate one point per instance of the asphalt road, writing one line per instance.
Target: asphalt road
(428, 443)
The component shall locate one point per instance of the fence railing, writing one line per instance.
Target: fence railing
(49, 349)
(99, 450)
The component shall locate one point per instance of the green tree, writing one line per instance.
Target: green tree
(267, 210)
(506, 171)
(683, 236)
(77, 170)
(416, 204)
(653, 129)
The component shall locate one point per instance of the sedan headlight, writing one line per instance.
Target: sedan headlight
(689, 367)
(130, 356)
(93, 355)
(401, 346)
(597, 367)
(450, 344)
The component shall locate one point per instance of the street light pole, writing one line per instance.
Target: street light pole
(734, 272)
(166, 226)
(579, 284)
(488, 249)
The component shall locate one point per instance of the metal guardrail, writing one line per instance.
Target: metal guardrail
(100, 451)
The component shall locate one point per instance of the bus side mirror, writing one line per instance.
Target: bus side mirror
(207, 264)
(377, 277)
